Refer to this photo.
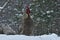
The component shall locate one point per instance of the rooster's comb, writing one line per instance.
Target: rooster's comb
(27, 9)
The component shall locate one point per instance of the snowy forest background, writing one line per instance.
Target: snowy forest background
(45, 14)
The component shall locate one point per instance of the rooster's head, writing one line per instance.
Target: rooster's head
(27, 12)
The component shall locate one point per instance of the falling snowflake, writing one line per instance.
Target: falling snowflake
(30, 9)
(48, 15)
(43, 1)
(15, 9)
(38, 5)
(44, 13)
(43, 20)
(32, 4)
(51, 11)
(23, 10)
(32, 16)
(38, 19)
(47, 12)
(20, 15)
(16, 14)
(34, 0)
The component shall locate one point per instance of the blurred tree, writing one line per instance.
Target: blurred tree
(43, 12)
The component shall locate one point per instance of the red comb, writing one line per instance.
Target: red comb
(27, 9)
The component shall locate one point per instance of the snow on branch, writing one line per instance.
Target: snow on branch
(4, 5)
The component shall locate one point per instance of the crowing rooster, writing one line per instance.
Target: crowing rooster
(27, 27)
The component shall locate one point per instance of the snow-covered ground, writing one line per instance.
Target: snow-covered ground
(23, 37)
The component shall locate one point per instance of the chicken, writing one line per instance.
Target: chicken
(27, 25)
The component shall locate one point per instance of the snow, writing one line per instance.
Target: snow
(23, 10)
(23, 37)
(30, 9)
(4, 5)
(38, 19)
(48, 12)
(43, 20)
(32, 16)
(1, 7)
(51, 11)
(31, 4)
(15, 9)
(44, 13)
(48, 15)
(43, 1)
(34, 0)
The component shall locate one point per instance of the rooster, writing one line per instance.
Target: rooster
(27, 27)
